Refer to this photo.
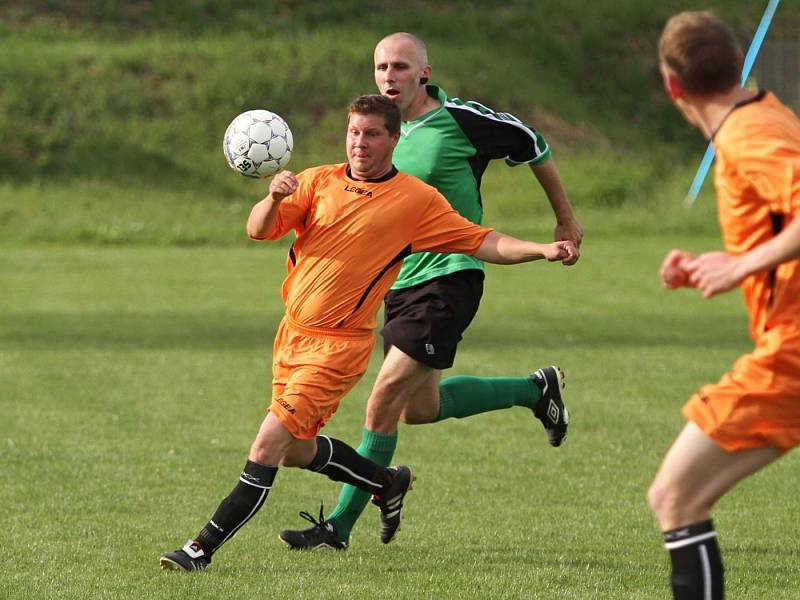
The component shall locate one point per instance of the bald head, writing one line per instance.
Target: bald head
(409, 43)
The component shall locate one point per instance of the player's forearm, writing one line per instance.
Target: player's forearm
(502, 249)
(548, 177)
(262, 218)
(783, 247)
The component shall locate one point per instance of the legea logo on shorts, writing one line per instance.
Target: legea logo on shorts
(430, 349)
(285, 405)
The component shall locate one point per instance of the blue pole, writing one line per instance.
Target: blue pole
(749, 60)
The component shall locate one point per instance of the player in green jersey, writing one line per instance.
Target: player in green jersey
(447, 143)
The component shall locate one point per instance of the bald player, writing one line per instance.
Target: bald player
(447, 143)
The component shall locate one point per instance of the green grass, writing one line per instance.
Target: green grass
(136, 320)
(134, 378)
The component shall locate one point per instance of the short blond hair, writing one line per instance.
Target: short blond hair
(702, 51)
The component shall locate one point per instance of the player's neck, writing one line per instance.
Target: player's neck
(421, 105)
(712, 111)
(376, 173)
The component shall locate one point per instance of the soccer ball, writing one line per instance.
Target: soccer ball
(258, 143)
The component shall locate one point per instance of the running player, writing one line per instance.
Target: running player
(448, 144)
(752, 415)
(355, 222)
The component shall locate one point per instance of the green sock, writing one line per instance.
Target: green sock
(379, 448)
(464, 396)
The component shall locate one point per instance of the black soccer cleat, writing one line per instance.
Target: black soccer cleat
(550, 409)
(390, 502)
(321, 535)
(191, 557)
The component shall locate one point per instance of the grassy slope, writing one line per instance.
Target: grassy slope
(110, 133)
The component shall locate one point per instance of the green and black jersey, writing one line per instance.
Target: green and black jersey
(450, 148)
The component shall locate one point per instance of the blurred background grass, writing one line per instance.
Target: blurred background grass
(112, 113)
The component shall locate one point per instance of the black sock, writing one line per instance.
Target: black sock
(340, 462)
(697, 572)
(242, 503)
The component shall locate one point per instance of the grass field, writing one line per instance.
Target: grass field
(136, 321)
(134, 378)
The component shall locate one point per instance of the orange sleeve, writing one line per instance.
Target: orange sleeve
(295, 207)
(442, 229)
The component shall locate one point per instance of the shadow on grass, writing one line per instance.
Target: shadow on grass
(612, 331)
(211, 329)
(197, 330)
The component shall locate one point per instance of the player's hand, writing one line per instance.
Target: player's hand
(569, 229)
(714, 273)
(283, 184)
(673, 271)
(566, 251)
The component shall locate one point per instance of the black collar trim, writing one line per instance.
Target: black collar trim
(391, 173)
(757, 98)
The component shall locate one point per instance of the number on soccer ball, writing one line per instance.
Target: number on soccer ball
(258, 143)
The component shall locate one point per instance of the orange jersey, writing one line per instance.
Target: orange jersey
(757, 403)
(758, 193)
(352, 237)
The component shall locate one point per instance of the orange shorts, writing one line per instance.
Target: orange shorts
(312, 370)
(755, 404)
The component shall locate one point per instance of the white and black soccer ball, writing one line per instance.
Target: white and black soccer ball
(258, 143)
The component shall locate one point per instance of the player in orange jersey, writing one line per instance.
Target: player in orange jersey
(449, 144)
(752, 415)
(354, 224)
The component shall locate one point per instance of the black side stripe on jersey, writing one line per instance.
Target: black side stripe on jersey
(292, 256)
(400, 256)
(456, 107)
(494, 136)
(777, 220)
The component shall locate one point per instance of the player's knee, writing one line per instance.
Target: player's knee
(674, 507)
(265, 453)
(655, 497)
(664, 499)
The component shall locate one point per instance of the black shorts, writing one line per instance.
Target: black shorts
(426, 321)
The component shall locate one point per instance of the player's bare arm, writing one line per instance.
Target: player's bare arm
(263, 214)
(718, 272)
(567, 225)
(502, 249)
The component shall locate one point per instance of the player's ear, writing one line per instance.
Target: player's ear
(672, 84)
(425, 75)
